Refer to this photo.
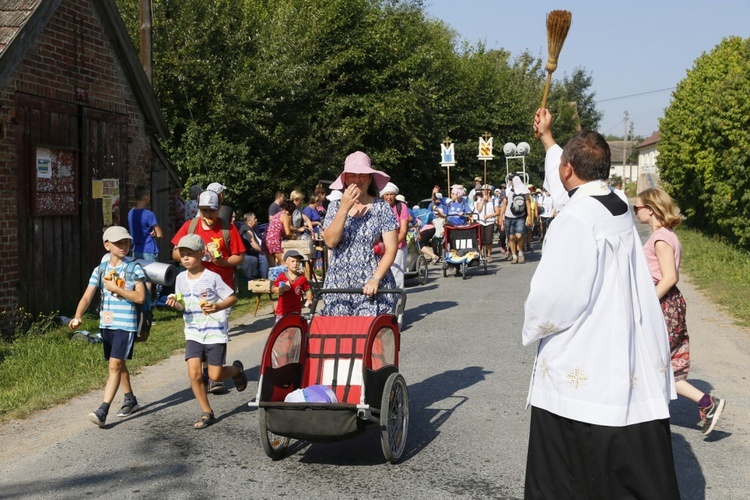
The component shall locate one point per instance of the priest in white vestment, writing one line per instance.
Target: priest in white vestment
(602, 381)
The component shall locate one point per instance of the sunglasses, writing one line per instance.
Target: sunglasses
(636, 208)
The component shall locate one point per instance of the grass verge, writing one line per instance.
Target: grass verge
(39, 371)
(718, 270)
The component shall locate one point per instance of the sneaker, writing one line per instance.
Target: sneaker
(215, 387)
(240, 381)
(514, 260)
(129, 406)
(97, 418)
(521, 259)
(711, 415)
(510, 256)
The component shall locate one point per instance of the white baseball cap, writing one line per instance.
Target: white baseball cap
(216, 187)
(209, 199)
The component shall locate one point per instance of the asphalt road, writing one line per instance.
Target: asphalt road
(467, 377)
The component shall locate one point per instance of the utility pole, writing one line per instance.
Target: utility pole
(625, 145)
(144, 11)
(630, 154)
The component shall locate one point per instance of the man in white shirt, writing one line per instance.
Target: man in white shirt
(602, 380)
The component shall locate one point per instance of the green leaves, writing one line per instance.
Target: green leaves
(703, 154)
(272, 95)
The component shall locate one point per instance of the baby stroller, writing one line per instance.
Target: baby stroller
(462, 248)
(416, 262)
(343, 374)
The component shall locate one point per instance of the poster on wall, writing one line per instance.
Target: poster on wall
(111, 202)
(55, 181)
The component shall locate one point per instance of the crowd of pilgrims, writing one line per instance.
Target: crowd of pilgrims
(299, 217)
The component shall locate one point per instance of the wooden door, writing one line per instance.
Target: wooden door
(50, 273)
(104, 139)
(59, 243)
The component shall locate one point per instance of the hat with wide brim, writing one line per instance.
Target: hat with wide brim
(359, 163)
(335, 195)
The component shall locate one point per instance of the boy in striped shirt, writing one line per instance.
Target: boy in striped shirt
(122, 286)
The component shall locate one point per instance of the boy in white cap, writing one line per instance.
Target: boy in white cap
(121, 281)
(225, 251)
(225, 211)
(204, 300)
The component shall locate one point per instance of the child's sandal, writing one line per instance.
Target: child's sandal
(207, 418)
(240, 381)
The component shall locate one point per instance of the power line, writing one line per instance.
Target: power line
(634, 95)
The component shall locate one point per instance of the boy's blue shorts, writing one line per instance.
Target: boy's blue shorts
(213, 354)
(118, 344)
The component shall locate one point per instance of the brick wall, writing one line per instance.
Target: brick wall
(72, 56)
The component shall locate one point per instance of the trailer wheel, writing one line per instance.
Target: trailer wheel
(273, 445)
(394, 418)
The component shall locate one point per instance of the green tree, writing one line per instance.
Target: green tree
(572, 103)
(704, 160)
(265, 95)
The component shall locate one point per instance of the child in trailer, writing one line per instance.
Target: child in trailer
(664, 254)
(204, 298)
(122, 287)
(290, 285)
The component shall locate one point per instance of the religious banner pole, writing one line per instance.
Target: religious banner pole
(485, 151)
(447, 158)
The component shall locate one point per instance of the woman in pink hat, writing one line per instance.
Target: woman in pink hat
(353, 227)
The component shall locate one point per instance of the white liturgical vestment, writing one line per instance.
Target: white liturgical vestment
(603, 355)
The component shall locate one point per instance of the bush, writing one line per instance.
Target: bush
(20, 323)
(703, 154)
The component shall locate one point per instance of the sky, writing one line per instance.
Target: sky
(636, 51)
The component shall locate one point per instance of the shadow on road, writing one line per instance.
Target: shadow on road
(416, 314)
(431, 403)
(256, 326)
(689, 474)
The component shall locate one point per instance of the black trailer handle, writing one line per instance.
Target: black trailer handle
(400, 306)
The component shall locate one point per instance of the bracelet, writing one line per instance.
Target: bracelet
(374, 279)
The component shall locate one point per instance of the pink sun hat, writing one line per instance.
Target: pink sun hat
(359, 163)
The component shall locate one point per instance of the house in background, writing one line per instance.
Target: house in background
(621, 160)
(79, 130)
(648, 172)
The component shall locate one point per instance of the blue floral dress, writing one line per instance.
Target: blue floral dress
(353, 262)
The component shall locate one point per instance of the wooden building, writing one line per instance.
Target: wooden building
(79, 129)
